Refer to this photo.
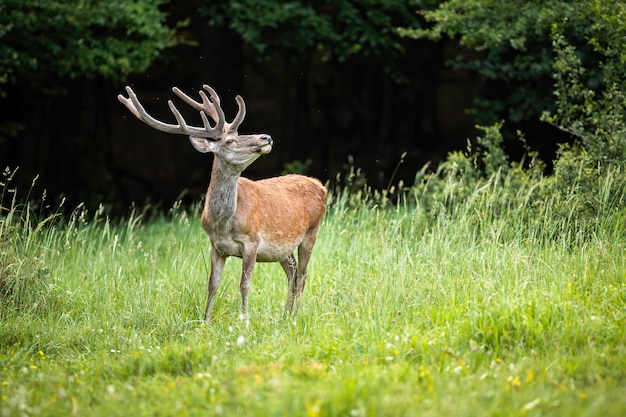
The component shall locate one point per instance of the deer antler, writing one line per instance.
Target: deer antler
(210, 106)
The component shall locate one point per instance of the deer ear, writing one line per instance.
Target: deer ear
(201, 144)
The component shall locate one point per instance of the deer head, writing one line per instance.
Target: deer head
(222, 139)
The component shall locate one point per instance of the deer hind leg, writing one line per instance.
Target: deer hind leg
(217, 267)
(290, 267)
(304, 255)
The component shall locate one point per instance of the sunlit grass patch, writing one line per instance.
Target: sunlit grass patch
(406, 311)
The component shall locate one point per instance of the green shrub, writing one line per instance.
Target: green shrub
(589, 178)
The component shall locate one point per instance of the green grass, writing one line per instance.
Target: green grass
(405, 313)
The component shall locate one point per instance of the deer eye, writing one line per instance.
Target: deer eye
(229, 141)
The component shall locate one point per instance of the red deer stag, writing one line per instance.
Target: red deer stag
(258, 221)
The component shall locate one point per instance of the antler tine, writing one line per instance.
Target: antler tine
(206, 106)
(214, 97)
(133, 104)
(129, 103)
(183, 124)
(241, 114)
(179, 117)
(209, 107)
(215, 101)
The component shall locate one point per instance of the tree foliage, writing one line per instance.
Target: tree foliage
(339, 30)
(43, 40)
(586, 58)
(514, 49)
(591, 100)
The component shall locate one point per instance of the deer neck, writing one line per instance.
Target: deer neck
(221, 199)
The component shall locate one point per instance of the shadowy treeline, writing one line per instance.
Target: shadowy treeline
(324, 116)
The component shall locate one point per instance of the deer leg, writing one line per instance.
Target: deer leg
(249, 261)
(304, 255)
(290, 268)
(217, 266)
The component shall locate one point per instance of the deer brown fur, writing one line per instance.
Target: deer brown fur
(258, 221)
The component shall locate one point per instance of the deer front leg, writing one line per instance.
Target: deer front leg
(290, 268)
(249, 261)
(217, 266)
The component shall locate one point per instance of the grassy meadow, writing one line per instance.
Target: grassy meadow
(453, 311)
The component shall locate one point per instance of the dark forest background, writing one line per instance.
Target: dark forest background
(384, 86)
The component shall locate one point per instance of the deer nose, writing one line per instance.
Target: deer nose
(268, 139)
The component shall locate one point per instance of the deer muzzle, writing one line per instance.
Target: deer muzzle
(266, 147)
